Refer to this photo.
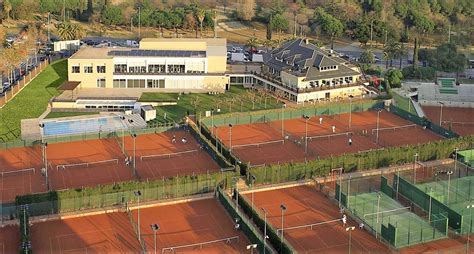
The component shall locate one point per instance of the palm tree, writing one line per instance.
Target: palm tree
(252, 43)
(401, 52)
(390, 52)
(69, 31)
(200, 14)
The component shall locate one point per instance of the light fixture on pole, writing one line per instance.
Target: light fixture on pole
(212, 121)
(441, 104)
(283, 210)
(253, 178)
(378, 210)
(350, 110)
(251, 247)
(134, 136)
(414, 167)
(138, 194)
(283, 106)
(350, 229)
(230, 137)
(306, 118)
(470, 207)
(155, 228)
(264, 229)
(378, 121)
(449, 173)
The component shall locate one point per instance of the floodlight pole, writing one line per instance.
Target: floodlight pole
(283, 210)
(138, 194)
(441, 113)
(264, 229)
(470, 207)
(414, 168)
(155, 228)
(253, 178)
(216, 136)
(283, 106)
(306, 118)
(350, 229)
(455, 159)
(449, 173)
(429, 210)
(134, 136)
(350, 111)
(230, 137)
(212, 121)
(378, 122)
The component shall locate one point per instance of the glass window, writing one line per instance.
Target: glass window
(176, 68)
(101, 82)
(87, 69)
(136, 83)
(101, 69)
(76, 69)
(120, 83)
(120, 68)
(156, 68)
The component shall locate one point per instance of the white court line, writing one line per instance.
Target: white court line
(57, 237)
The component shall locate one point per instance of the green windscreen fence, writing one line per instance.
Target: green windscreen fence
(427, 203)
(467, 157)
(371, 199)
(290, 113)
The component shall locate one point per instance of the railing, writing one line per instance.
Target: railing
(168, 73)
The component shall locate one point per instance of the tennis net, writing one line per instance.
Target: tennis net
(257, 145)
(330, 136)
(395, 128)
(310, 226)
(168, 155)
(18, 172)
(174, 249)
(88, 164)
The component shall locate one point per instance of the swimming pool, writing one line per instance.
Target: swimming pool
(80, 126)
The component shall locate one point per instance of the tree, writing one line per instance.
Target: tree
(362, 31)
(112, 16)
(246, 10)
(7, 8)
(252, 43)
(446, 58)
(279, 22)
(69, 31)
(367, 57)
(200, 14)
(269, 28)
(329, 24)
(391, 50)
(394, 77)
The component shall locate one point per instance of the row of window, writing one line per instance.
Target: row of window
(139, 83)
(88, 69)
(152, 68)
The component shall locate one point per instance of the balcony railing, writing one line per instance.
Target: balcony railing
(167, 73)
(305, 90)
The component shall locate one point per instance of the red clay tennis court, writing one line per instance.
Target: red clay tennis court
(306, 206)
(20, 172)
(260, 143)
(159, 156)
(193, 227)
(459, 120)
(86, 163)
(455, 245)
(104, 233)
(9, 239)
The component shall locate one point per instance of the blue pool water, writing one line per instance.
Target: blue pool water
(80, 126)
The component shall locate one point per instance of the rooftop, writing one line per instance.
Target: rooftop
(301, 58)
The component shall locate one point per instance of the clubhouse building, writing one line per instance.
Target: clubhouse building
(162, 64)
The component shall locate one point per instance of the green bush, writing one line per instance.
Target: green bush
(423, 73)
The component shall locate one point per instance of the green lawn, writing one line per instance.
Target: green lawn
(237, 99)
(32, 101)
(158, 97)
(68, 114)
